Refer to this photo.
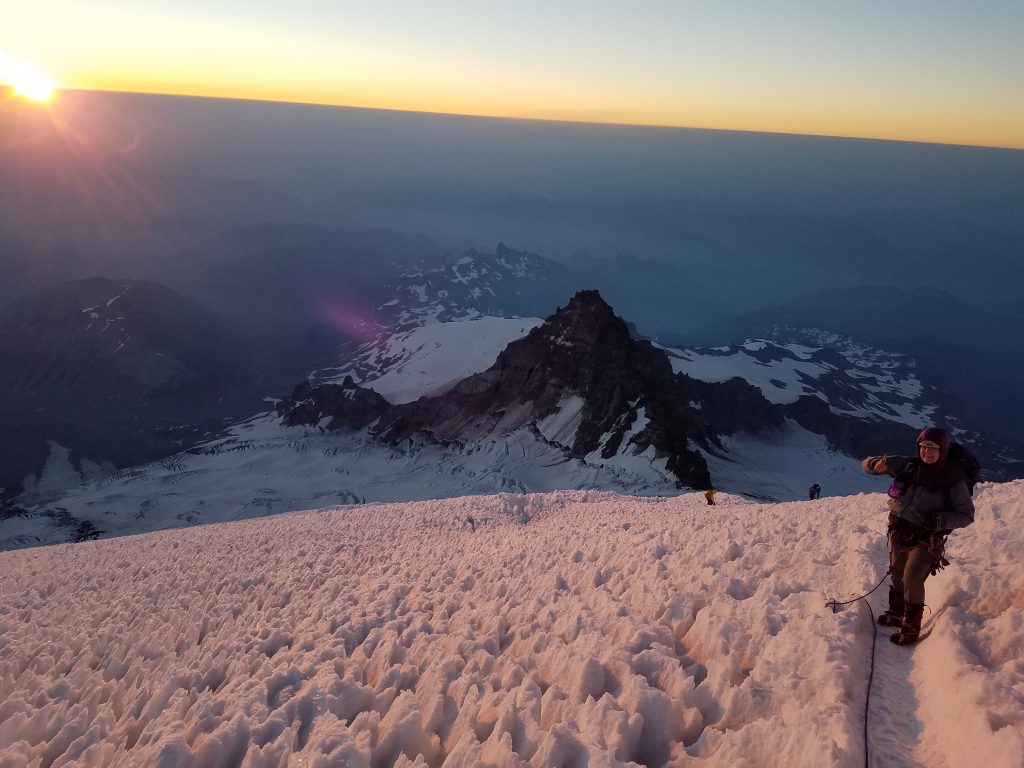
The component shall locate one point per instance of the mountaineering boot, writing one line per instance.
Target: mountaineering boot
(894, 616)
(910, 631)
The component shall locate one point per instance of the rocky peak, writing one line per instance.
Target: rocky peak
(620, 394)
(580, 382)
(583, 349)
(586, 317)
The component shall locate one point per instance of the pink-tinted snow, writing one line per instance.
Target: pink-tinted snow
(568, 629)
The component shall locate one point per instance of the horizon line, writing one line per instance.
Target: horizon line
(534, 119)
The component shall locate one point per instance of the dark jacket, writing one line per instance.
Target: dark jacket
(930, 501)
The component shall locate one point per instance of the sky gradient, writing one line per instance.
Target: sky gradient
(939, 71)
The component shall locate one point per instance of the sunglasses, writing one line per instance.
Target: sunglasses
(929, 444)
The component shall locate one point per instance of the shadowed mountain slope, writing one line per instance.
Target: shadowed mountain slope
(113, 372)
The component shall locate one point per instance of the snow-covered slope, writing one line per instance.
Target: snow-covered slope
(563, 629)
(783, 465)
(537, 422)
(429, 359)
(874, 388)
(263, 468)
(854, 379)
(525, 440)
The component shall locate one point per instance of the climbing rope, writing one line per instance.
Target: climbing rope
(834, 604)
(894, 546)
(871, 677)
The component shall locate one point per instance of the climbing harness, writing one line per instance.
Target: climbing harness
(937, 548)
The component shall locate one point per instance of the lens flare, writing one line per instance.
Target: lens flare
(25, 79)
(354, 324)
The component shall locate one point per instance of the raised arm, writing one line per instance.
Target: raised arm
(876, 465)
(885, 464)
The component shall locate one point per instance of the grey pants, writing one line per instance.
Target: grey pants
(910, 568)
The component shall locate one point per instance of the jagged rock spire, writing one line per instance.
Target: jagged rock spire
(618, 395)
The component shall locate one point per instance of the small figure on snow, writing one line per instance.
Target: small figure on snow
(709, 494)
(814, 492)
(930, 495)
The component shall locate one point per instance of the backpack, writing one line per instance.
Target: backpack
(968, 463)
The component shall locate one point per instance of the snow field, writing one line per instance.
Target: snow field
(263, 468)
(432, 358)
(568, 629)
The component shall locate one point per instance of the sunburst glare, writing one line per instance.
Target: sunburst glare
(25, 79)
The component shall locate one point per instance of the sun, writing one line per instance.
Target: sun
(25, 79)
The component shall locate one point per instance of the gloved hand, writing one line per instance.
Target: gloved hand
(875, 465)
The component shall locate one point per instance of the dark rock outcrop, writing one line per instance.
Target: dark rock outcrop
(585, 351)
(610, 394)
(347, 405)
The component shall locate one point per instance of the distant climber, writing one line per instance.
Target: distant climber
(928, 498)
(709, 494)
(814, 492)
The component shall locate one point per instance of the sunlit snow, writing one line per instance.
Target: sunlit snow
(430, 359)
(562, 629)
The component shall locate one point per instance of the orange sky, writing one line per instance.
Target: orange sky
(947, 75)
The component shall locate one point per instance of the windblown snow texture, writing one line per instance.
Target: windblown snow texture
(571, 628)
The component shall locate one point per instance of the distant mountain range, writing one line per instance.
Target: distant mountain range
(675, 226)
(168, 264)
(971, 359)
(505, 283)
(477, 403)
(859, 398)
